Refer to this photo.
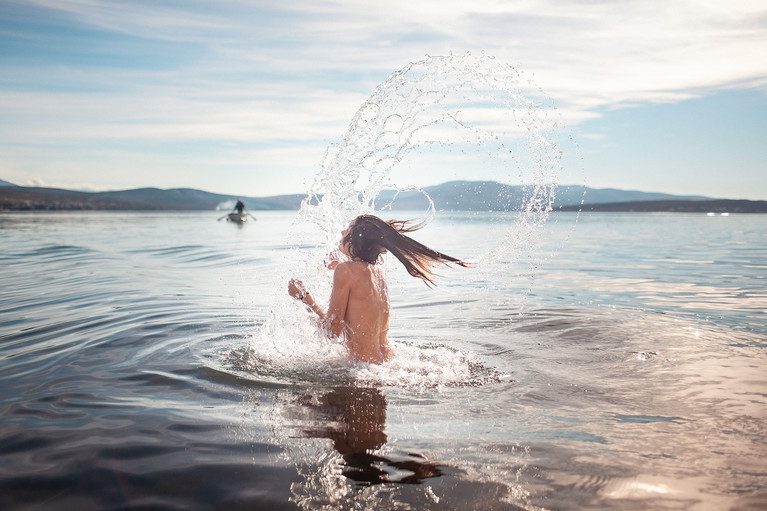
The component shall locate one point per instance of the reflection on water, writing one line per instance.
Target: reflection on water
(337, 441)
(355, 420)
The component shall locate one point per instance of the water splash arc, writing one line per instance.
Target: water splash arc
(465, 112)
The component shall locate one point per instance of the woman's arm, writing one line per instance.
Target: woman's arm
(339, 298)
(298, 290)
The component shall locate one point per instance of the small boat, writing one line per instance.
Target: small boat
(238, 218)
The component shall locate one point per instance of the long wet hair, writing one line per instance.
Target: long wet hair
(369, 237)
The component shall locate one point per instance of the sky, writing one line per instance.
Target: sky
(244, 97)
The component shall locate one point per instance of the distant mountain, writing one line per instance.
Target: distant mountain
(494, 196)
(454, 195)
(176, 198)
(5, 184)
(25, 198)
(29, 198)
(572, 195)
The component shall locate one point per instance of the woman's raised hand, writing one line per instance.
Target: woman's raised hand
(297, 289)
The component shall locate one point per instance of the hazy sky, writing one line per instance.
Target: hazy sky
(243, 97)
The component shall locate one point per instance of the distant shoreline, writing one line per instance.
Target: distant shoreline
(451, 196)
(679, 206)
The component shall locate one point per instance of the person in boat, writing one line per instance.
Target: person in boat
(359, 300)
(239, 207)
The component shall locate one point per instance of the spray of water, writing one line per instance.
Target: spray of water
(461, 112)
(455, 113)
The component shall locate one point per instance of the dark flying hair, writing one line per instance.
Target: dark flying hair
(369, 237)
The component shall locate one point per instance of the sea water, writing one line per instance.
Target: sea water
(584, 361)
(626, 372)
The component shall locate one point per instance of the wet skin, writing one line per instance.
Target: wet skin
(358, 309)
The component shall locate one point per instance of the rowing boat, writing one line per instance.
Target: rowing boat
(238, 218)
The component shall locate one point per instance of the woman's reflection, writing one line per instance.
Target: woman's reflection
(354, 419)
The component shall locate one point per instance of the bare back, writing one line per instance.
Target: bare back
(359, 310)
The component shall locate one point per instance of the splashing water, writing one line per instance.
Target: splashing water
(464, 112)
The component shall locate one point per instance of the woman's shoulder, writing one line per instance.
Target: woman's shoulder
(351, 268)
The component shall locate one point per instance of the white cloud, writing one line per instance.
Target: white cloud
(588, 54)
(284, 80)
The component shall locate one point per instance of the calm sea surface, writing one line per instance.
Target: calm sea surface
(154, 361)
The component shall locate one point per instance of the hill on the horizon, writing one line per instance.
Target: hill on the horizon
(453, 195)
(142, 199)
(494, 196)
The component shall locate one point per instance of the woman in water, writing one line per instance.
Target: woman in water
(359, 301)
